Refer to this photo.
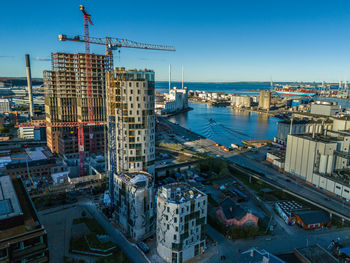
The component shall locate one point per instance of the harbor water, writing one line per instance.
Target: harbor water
(226, 125)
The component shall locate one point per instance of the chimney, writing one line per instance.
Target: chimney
(182, 86)
(29, 83)
(169, 77)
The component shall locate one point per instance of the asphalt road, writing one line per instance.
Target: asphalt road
(293, 185)
(253, 162)
(276, 244)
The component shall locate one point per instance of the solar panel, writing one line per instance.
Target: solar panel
(5, 207)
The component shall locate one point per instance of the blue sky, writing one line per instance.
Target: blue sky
(246, 40)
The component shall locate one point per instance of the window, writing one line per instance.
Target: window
(174, 237)
(167, 226)
(167, 209)
(175, 219)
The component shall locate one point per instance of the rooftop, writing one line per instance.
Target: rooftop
(318, 138)
(310, 217)
(138, 179)
(232, 210)
(9, 204)
(26, 221)
(260, 256)
(317, 254)
(179, 192)
(288, 206)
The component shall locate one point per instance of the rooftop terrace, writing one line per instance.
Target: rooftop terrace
(179, 192)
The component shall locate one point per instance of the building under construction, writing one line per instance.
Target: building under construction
(66, 100)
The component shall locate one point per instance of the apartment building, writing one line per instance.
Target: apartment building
(66, 99)
(134, 204)
(22, 237)
(181, 221)
(131, 101)
(4, 106)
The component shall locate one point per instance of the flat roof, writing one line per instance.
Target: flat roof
(9, 203)
(137, 179)
(288, 206)
(318, 137)
(317, 254)
(179, 192)
(29, 220)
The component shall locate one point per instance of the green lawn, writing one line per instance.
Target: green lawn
(91, 223)
(96, 243)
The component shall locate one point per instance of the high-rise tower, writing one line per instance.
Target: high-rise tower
(131, 104)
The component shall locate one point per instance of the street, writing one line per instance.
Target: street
(251, 162)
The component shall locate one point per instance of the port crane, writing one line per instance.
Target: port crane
(110, 44)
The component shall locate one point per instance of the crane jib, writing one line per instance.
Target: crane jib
(115, 43)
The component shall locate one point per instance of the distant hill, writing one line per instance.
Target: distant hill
(20, 81)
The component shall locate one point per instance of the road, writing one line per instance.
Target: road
(250, 161)
(295, 186)
(275, 244)
(133, 253)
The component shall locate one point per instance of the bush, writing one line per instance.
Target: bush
(215, 165)
(237, 232)
(215, 223)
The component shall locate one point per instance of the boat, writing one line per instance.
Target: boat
(294, 91)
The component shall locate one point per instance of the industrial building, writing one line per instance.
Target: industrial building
(241, 101)
(22, 237)
(300, 126)
(134, 204)
(131, 103)
(176, 101)
(325, 108)
(181, 221)
(66, 100)
(265, 99)
(321, 160)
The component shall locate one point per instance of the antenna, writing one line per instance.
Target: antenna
(182, 77)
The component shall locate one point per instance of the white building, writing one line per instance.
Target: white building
(322, 160)
(134, 204)
(181, 221)
(135, 120)
(297, 126)
(29, 133)
(26, 133)
(4, 106)
(176, 100)
(325, 108)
